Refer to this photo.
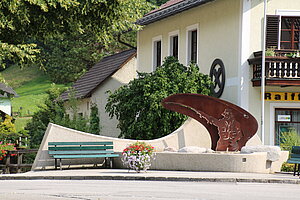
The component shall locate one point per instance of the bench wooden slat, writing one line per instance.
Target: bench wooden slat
(293, 161)
(86, 156)
(79, 152)
(79, 143)
(80, 148)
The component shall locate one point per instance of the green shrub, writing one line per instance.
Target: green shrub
(94, 120)
(287, 167)
(138, 107)
(8, 131)
(289, 139)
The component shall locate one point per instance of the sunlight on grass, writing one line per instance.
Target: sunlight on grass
(20, 122)
(31, 85)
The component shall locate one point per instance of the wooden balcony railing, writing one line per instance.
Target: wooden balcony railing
(279, 70)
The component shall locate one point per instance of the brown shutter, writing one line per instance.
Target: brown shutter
(272, 31)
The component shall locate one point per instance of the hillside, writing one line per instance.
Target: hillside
(31, 85)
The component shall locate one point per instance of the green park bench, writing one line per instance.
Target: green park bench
(78, 150)
(295, 159)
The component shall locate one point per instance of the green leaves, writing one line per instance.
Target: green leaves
(137, 105)
(42, 20)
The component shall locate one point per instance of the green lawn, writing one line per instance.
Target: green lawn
(31, 85)
(21, 122)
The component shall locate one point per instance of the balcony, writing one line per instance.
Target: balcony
(281, 69)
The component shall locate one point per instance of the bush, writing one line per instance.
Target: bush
(289, 139)
(138, 107)
(94, 120)
(8, 131)
(54, 111)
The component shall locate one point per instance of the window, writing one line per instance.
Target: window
(286, 120)
(192, 44)
(174, 46)
(290, 32)
(283, 32)
(157, 52)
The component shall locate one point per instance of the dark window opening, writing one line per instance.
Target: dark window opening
(194, 46)
(157, 59)
(174, 46)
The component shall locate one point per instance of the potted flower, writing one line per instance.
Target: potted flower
(4, 147)
(137, 156)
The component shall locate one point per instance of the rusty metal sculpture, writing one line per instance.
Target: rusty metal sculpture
(229, 126)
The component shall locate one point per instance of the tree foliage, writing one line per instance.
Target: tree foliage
(54, 111)
(26, 23)
(137, 105)
(94, 120)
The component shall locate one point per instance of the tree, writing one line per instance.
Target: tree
(137, 105)
(52, 110)
(26, 23)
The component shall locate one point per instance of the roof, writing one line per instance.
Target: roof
(170, 8)
(99, 73)
(6, 91)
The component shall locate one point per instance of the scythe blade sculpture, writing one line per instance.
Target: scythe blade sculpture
(229, 126)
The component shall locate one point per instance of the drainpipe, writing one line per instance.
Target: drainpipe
(124, 43)
(263, 71)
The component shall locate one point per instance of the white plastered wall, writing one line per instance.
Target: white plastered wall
(218, 32)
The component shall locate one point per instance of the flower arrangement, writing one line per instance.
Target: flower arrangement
(137, 156)
(4, 148)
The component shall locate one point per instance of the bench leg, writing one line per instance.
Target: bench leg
(55, 164)
(110, 163)
(298, 169)
(295, 168)
(60, 165)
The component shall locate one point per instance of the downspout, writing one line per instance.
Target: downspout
(263, 73)
(124, 43)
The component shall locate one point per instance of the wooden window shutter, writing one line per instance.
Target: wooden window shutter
(272, 31)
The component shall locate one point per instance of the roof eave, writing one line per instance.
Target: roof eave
(124, 63)
(169, 11)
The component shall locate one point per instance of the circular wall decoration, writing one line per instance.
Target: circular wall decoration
(217, 75)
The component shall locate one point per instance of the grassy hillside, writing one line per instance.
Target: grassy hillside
(31, 84)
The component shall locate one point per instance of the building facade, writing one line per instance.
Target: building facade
(225, 38)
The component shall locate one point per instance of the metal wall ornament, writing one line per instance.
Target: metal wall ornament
(217, 75)
(229, 126)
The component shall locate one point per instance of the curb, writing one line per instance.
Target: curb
(141, 178)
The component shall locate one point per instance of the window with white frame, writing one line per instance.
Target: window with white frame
(157, 52)
(174, 44)
(192, 44)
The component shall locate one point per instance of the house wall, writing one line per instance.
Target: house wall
(5, 105)
(121, 77)
(218, 24)
(256, 37)
(99, 96)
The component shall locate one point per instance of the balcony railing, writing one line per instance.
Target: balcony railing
(279, 70)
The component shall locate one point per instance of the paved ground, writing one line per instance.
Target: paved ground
(154, 175)
(143, 190)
